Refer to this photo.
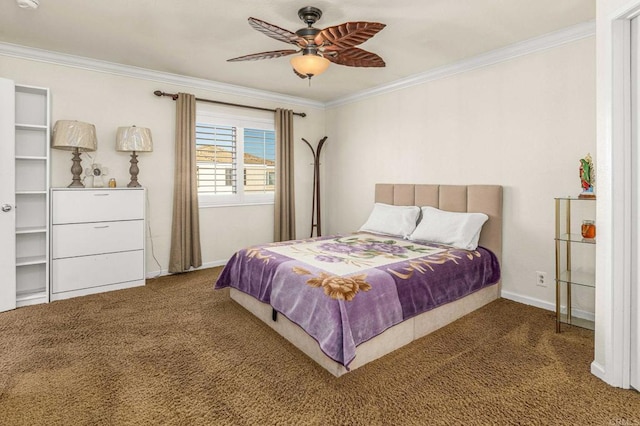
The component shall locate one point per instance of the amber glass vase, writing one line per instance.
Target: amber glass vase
(588, 229)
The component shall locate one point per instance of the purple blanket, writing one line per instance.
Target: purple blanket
(345, 290)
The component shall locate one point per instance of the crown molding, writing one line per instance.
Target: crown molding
(33, 54)
(547, 41)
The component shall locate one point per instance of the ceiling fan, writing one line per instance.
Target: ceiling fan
(319, 47)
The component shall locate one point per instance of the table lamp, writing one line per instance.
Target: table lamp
(134, 139)
(75, 136)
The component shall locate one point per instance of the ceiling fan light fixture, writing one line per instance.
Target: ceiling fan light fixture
(310, 64)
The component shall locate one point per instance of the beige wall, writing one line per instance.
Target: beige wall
(523, 123)
(110, 101)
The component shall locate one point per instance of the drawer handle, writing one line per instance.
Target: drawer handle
(100, 227)
(101, 195)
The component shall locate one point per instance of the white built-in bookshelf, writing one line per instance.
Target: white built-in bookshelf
(32, 173)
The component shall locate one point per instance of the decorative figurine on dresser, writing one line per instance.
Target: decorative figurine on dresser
(96, 175)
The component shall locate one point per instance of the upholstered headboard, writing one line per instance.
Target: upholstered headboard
(485, 199)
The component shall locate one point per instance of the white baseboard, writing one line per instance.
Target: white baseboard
(543, 304)
(598, 371)
(163, 272)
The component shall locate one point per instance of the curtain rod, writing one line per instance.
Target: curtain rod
(175, 96)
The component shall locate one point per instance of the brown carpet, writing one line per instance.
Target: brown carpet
(177, 352)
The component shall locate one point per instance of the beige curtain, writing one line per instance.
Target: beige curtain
(185, 231)
(285, 212)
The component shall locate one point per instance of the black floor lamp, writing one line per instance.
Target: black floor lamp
(315, 205)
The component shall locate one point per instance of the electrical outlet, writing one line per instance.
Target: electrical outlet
(541, 279)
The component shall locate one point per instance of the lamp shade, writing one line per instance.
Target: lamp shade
(134, 139)
(310, 64)
(71, 134)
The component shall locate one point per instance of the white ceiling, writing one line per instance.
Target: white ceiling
(195, 38)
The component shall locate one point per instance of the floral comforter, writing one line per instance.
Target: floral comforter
(344, 290)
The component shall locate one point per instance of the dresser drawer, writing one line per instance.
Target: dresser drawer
(76, 273)
(82, 239)
(74, 206)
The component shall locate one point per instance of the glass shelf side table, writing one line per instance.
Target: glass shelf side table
(568, 274)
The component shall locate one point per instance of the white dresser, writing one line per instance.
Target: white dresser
(97, 240)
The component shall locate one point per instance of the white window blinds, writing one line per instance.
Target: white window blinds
(216, 154)
(235, 160)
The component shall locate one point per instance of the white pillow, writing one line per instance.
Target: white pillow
(399, 221)
(460, 230)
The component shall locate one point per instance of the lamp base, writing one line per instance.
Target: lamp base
(133, 171)
(76, 170)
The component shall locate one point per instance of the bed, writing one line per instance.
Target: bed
(346, 300)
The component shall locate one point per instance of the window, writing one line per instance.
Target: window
(235, 160)
(216, 151)
(259, 160)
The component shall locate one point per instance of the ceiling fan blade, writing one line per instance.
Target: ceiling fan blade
(264, 55)
(347, 35)
(355, 57)
(276, 32)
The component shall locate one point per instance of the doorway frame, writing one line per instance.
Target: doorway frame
(616, 193)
